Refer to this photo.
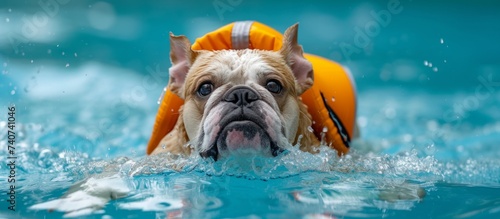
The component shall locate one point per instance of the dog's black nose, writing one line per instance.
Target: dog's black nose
(241, 96)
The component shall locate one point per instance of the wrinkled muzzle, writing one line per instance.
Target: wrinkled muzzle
(241, 124)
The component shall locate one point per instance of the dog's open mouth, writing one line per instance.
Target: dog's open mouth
(242, 136)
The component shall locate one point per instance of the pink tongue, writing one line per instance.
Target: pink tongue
(236, 140)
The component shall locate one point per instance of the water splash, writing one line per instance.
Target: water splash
(169, 183)
(396, 160)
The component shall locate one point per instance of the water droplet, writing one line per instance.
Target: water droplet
(435, 69)
(407, 137)
(32, 61)
(49, 51)
(12, 92)
(7, 20)
(57, 45)
(445, 61)
(441, 41)
(430, 64)
(310, 129)
(67, 65)
(333, 99)
(390, 113)
(426, 62)
(76, 55)
(362, 121)
(62, 53)
(432, 125)
(325, 129)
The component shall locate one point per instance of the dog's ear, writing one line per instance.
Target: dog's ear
(181, 57)
(293, 54)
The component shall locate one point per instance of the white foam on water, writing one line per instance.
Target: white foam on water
(350, 183)
(87, 196)
(155, 203)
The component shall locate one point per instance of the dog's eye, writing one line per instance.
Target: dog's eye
(274, 86)
(205, 89)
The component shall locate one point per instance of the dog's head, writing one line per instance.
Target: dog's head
(241, 101)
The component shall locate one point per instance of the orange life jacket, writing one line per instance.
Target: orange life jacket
(331, 100)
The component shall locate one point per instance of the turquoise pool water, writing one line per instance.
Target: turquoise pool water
(78, 73)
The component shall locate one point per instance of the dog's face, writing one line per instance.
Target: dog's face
(241, 101)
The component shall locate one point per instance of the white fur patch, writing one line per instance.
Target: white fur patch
(242, 67)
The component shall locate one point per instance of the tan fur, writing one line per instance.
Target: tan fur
(309, 142)
(176, 141)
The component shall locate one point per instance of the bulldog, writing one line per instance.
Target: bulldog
(236, 102)
(239, 102)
